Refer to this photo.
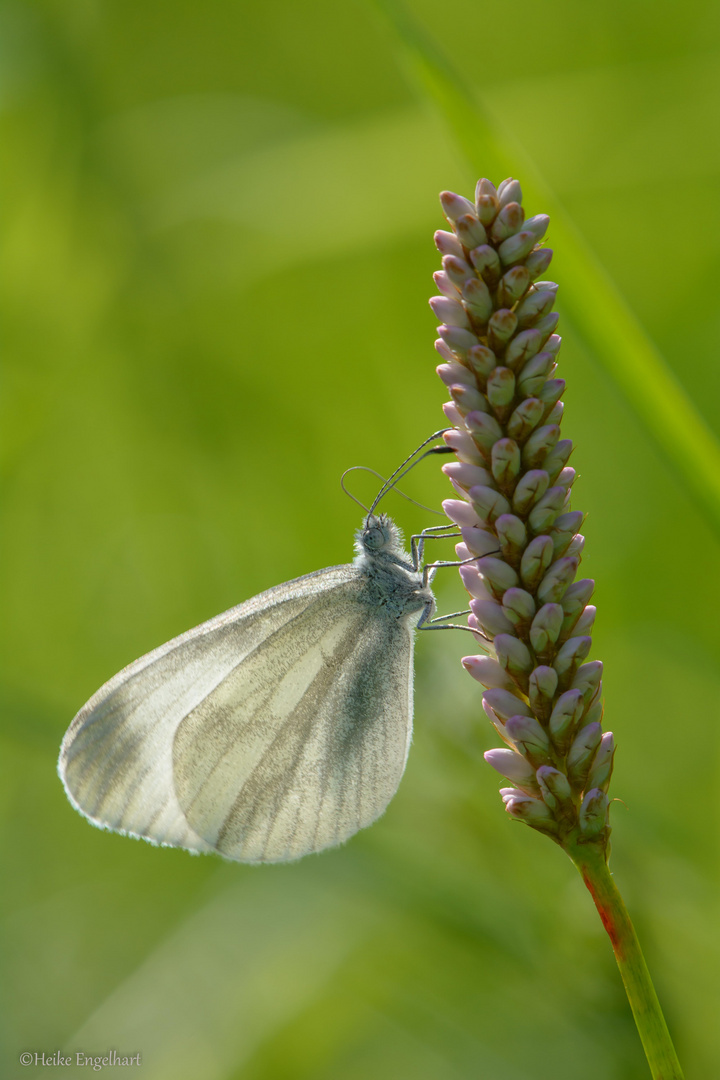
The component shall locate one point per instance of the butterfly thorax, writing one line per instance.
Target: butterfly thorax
(390, 579)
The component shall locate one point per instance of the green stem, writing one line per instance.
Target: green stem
(649, 1019)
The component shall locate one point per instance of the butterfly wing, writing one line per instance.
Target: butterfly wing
(276, 729)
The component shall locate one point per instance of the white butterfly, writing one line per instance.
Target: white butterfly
(276, 729)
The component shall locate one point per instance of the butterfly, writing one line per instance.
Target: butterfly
(276, 729)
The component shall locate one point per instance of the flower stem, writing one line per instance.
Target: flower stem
(649, 1019)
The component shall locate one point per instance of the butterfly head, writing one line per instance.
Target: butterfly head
(378, 534)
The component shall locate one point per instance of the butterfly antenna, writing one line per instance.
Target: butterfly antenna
(366, 468)
(408, 464)
(349, 493)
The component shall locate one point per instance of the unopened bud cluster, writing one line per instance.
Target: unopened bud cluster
(521, 545)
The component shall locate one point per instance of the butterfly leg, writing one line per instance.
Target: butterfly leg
(450, 615)
(425, 622)
(453, 626)
(417, 541)
(429, 568)
(440, 623)
(457, 626)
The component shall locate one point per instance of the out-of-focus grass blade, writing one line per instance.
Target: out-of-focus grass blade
(596, 308)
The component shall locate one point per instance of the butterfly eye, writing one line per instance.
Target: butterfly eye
(375, 535)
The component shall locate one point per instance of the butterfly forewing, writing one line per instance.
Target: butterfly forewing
(116, 757)
(278, 728)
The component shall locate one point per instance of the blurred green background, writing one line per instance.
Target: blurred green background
(217, 258)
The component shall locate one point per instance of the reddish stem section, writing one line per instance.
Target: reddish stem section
(607, 915)
(659, 1050)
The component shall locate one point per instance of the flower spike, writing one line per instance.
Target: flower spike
(500, 352)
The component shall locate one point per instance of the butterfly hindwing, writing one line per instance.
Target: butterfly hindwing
(275, 729)
(306, 741)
